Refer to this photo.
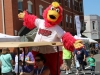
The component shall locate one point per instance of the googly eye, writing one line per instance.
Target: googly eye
(57, 10)
(52, 8)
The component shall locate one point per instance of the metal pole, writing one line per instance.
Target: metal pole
(18, 59)
(57, 60)
(24, 59)
(3, 19)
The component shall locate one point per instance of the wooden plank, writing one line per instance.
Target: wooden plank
(29, 44)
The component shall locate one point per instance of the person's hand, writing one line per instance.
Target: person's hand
(21, 73)
(84, 59)
(21, 15)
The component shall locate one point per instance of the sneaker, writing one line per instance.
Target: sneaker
(83, 72)
(77, 73)
(67, 72)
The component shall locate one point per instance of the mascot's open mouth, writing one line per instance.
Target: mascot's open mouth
(52, 16)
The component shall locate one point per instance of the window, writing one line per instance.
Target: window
(65, 2)
(71, 21)
(69, 3)
(74, 23)
(93, 24)
(81, 7)
(59, 1)
(85, 25)
(76, 5)
(20, 6)
(66, 20)
(29, 6)
(41, 11)
(73, 2)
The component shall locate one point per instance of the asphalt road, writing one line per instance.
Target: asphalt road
(87, 71)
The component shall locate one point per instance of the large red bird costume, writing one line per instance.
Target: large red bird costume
(50, 31)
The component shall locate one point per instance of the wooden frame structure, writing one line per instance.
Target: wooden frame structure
(31, 44)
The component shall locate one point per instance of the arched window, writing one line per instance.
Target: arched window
(20, 6)
(66, 20)
(74, 23)
(93, 24)
(69, 3)
(41, 11)
(71, 21)
(29, 6)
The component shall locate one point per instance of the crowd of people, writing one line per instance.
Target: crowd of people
(35, 65)
(79, 59)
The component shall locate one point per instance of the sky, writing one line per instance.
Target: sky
(91, 7)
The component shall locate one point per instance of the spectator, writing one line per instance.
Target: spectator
(73, 60)
(67, 58)
(96, 51)
(16, 62)
(92, 50)
(40, 63)
(6, 62)
(80, 55)
(13, 54)
(29, 62)
(0, 62)
(92, 64)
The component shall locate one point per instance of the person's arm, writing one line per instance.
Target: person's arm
(46, 72)
(11, 59)
(0, 61)
(84, 55)
(84, 58)
(75, 55)
(31, 61)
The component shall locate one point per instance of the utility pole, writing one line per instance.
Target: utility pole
(3, 16)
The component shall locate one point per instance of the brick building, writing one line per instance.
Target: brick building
(10, 24)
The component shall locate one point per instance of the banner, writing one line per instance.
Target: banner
(78, 25)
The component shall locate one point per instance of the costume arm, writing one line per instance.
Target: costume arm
(29, 20)
(68, 41)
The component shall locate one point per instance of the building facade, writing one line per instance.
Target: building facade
(92, 26)
(10, 24)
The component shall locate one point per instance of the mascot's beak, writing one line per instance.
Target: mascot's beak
(52, 15)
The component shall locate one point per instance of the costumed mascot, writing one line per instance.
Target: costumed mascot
(50, 31)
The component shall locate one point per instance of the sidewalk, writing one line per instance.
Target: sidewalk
(97, 57)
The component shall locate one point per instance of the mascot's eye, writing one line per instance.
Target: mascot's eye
(57, 10)
(52, 8)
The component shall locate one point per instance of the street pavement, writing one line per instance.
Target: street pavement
(87, 71)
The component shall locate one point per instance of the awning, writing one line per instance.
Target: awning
(85, 39)
(9, 38)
